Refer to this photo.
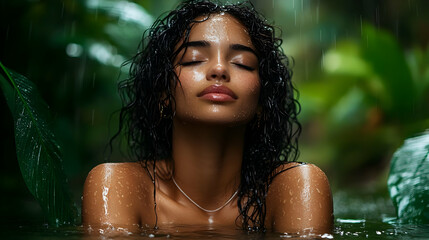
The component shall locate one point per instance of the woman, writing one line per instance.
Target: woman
(211, 119)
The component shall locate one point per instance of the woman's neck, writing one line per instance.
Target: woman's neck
(207, 161)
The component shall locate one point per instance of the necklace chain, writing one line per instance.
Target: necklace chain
(196, 204)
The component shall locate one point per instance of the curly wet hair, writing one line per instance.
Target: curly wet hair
(148, 102)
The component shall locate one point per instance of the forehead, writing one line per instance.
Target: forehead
(220, 28)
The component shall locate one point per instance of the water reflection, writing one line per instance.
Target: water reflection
(343, 230)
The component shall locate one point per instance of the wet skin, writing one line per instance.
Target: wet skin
(217, 97)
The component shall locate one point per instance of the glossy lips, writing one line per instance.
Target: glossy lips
(218, 93)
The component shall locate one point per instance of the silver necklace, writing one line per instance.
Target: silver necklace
(196, 204)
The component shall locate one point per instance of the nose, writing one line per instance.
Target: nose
(218, 72)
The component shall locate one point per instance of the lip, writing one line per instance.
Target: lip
(218, 93)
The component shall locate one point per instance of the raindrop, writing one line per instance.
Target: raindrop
(367, 41)
(334, 38)
(417, 11)
(361, 25)
(397, 28)
(96, 12)
(30, 29)
(73, 28)
(93, 80)
(317, 13)
(92, 117)
(306, 70)
(295, 16)
(377, 16)
(62, 11)
(322, 60)
(7, 32)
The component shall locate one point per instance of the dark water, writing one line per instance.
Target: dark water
(356, 217)
(344, 229)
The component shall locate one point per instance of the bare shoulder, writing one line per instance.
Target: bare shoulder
(126, 169)
(114, 195)
(299, 199)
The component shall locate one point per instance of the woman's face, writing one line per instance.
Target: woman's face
(218, 73)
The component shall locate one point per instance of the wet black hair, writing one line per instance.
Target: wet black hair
(147, 114)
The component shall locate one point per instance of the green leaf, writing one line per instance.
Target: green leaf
(38, 153)
(408, 181)
(383, 53)
(345, 59)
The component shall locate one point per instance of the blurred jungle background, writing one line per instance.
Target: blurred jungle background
(361, 68)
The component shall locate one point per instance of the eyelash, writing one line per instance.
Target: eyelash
(244, 67)
(190, 63)
(237, 64)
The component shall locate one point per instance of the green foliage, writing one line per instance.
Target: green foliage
(37, 150)
(369, 97)
(409, 180)
(376, 73)
(387, 61)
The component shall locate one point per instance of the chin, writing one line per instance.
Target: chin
(216, 119)
(227, 122)
(216, 115)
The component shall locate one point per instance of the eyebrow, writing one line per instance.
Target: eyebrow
(236, 46)
(196, 44)
(240, 47)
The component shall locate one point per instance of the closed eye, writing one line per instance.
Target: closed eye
(190, 63)
(244, 66)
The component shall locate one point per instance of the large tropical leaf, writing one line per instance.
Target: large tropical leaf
(383, 53)
(38, 153)
(409, 180)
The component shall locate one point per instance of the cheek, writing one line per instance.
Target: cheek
(252, 89)
(188, 79)
(190, 75)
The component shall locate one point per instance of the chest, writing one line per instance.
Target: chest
(173, 213)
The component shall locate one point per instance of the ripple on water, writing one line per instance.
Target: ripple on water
(344, 229)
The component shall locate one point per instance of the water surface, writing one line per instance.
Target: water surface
(357, 216)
